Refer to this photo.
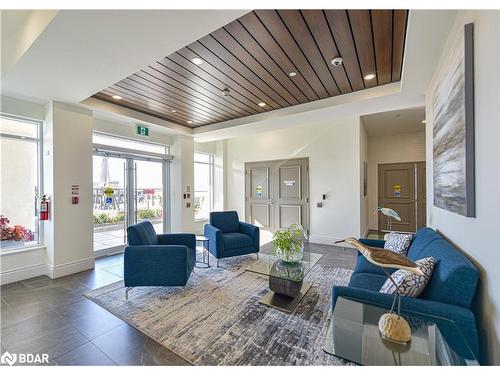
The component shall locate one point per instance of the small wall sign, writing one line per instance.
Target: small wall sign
(397, 190)
(289, 182)
(143, 130)
(258, 191)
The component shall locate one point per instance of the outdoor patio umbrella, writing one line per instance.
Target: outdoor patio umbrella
(104, 178)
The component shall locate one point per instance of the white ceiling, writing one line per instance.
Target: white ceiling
(407, 120)
(81, 52)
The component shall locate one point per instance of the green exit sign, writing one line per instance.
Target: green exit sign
(143, 130)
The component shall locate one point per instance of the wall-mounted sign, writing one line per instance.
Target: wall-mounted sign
(289, 182)
(108, 192)
(397, 190)
(143, 130)
(258, 191)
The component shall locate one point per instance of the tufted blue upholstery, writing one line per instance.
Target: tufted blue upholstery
(230, 237)
(152, 260)
(449, 293)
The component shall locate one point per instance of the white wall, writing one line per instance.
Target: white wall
(363, 199)
(182, 176)
(398, 148)
(67, 161)
(478, 237)
(333, 150)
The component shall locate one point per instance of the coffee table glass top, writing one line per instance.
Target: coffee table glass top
(353, 335)
(270, 265)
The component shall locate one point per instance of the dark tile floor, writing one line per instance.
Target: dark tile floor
(42, 315)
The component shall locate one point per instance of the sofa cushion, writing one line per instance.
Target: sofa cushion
(236, 241)
(420, 240)
(454, 279)
(409, 283)
(398, 242)
(225, 221)
(142, 233)
(368, 281)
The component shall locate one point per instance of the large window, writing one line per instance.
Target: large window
(203, 185)
(19, 183)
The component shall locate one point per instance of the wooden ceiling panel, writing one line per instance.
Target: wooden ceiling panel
(279, 58)
(398, 42)
(382, 37)
(361, 26)
(318, 26)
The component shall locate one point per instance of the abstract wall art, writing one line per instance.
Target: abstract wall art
(453, 130)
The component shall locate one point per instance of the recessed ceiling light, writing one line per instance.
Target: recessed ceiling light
(369, 76)
(262, 104)
(173, 110)
(292, 74)
(336, 61)
(190, 122)
(197, 61)
(423, 121)
(116, 97)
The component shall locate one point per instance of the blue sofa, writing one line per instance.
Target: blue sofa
(157, 260)
(231, 237)
(448, 295)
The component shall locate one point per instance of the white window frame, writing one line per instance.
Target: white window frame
(211, 164)
(39, 141)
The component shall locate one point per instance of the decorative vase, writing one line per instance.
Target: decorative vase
(290, 256)
(286, 278)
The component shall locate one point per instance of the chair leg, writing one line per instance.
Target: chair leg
(218, 262)
(257, 256)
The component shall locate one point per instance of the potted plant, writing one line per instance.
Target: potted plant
(288, 244)
(13, 236)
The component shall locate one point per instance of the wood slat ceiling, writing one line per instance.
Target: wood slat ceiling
(253, 57)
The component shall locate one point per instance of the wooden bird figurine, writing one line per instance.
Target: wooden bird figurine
(382, 257)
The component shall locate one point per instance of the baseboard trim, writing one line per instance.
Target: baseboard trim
(326, 240)
(70, 268)
(23, 273)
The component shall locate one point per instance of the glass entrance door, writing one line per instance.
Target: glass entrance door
(127, 190)
(109, 201)
(149, 193)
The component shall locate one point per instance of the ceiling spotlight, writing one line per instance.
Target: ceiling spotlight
(369, 76)
(116, 97)
(423, 121)
(190, 122)
(262, 104)
(292, 74)
(225, 92)
(173, 110)
(197, 61)
(336, 61)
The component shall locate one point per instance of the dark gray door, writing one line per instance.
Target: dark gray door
(401, 186)
(277, 193)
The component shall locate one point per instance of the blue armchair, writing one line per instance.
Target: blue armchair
(157, 260)
(231, 237)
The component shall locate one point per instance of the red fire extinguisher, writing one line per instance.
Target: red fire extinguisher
(44, 208)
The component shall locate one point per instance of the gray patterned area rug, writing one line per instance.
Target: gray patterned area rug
(216, 319)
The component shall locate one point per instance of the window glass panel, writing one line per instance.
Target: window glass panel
(203, 158)
(203, 172)
(19, 189)
(129, 143)
(20, 128)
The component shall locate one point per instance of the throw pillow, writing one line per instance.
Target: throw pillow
(410, 284)
(398, 242)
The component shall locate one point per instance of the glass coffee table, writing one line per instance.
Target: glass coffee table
(354, 336)
(286, 280)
